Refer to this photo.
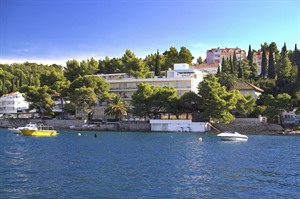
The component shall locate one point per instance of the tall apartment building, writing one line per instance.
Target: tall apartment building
(12, 103)
(216, 54)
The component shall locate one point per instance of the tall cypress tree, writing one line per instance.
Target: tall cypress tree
(218, 72)
(296, 56)
(224, 65)
(250, 56)
(240, 71)
(283, 50)
(298, 74)
(231, 66)
(263, 64)
(253, 68)
(157, 65)
(234, 62)
(271, 67)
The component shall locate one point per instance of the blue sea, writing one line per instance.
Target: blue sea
(148, 165)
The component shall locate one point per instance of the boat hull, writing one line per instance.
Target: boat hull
(235, 139)
(39, 133)
(15, 131)
(232, 136)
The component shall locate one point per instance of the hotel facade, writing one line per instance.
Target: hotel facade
(183, 79)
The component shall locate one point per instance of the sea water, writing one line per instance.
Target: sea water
(148, 165)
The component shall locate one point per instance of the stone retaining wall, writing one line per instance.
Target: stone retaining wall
(65, 124)
(249, 125)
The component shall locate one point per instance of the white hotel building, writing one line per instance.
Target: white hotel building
(13, 103)
(183, 79)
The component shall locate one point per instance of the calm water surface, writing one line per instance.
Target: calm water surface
(148, 165)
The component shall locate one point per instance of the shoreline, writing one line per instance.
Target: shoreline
(250, 128)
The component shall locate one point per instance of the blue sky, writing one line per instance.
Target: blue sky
(54, 31)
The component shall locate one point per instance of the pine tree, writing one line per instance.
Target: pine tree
(271, 67)
(263, 64)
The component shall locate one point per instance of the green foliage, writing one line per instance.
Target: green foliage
(185, 56)
(39, 99)
(284, 66)
(141, 100)
(72, 70)
(276, 105)
(98, 85)
(151, 100)
(271, 66)
(234, 63)
(161, 98)
(227, 80)
(225, 66)
(190, 101)
(199, 60)
(108, 66)
(245, 103)
(157, 69)
(134, 66)
(268, 86)
(250, 56)
(84, 98)
(116, 108)
(171, 57)
(215, 102)
(264, 65)
(155, 62)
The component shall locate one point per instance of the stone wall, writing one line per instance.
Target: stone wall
(246, 125)
(65, 124)
(250, 127)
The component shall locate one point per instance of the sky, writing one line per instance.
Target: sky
(54, 31)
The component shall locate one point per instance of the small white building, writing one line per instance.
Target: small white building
(211, 68)
(290, 117)
(247, 88)
(12, 103)
(179, 126)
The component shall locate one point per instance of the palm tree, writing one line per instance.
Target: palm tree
(116, 108)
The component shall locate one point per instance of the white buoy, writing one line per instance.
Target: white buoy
(79, 134)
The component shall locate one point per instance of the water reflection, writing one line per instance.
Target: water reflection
(17, 166)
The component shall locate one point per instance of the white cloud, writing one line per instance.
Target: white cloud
(38, 61)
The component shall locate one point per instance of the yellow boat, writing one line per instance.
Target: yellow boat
(44, 131)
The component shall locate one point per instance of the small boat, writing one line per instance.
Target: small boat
(44, 131)
(27, 126)
(232, 136)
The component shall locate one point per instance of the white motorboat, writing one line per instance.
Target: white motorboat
(29, 126)
(232, 136)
